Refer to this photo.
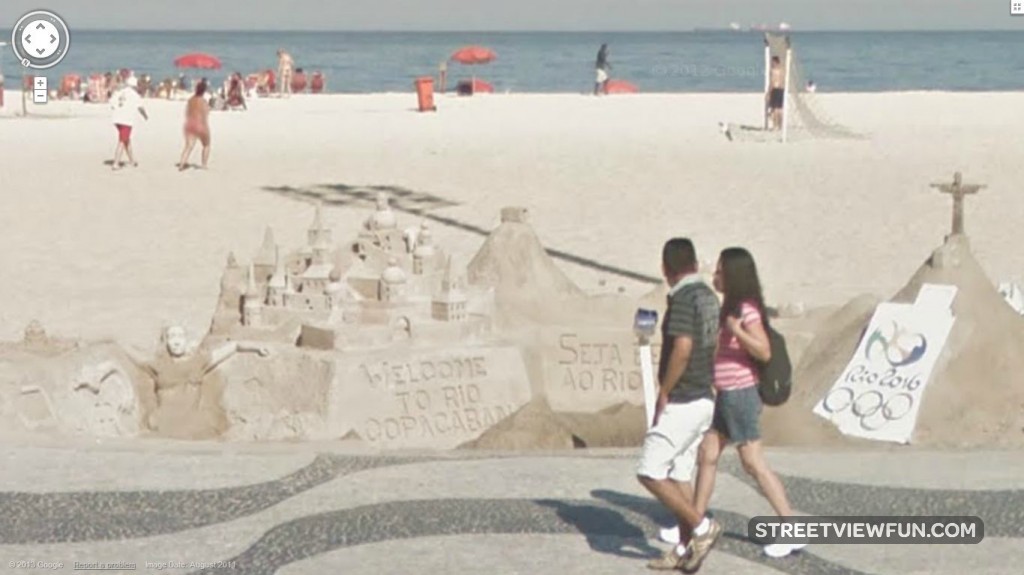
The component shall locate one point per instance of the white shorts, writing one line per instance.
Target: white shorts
(602, 76)
(670, 448)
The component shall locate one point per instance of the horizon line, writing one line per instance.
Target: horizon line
(693, 29)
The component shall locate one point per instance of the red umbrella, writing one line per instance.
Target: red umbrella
(474, 55)
(204, 61)
(621, 87)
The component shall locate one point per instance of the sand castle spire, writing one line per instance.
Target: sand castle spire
(252, 303)
(250, 289)
(958, 190)
(447, 282)
(319, 237)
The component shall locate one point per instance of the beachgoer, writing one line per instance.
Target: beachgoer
(183, 84)
(126, 103)
(811, 87)
(685, 405)
(236, 95)
(285, 67)
(197, 126)
(742, 342)
(442, 80)
(602, 67)
(776, 95)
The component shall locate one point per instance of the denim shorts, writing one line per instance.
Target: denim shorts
(738, 414)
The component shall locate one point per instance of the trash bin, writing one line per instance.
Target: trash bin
(425, 93)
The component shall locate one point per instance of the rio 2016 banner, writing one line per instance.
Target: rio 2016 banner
(879, 393)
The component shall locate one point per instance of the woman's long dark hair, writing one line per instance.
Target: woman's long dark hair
(740, 282)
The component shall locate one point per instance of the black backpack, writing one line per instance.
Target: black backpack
(776, 381)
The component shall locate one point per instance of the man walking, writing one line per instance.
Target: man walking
(685, 406)
(601, 68)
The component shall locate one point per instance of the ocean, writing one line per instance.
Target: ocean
(546, 62)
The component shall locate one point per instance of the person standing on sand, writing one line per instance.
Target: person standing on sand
(126, 102)
(602, 67)
(685, 405)
(197, 126)
(285, 68)
(742, 344)
(776, 95)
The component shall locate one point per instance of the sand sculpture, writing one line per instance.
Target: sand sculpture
(382, 339)
(976, 396)
(56, 386)
(188, 400)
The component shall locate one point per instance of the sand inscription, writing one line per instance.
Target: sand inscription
(433, 398)
(600, 366)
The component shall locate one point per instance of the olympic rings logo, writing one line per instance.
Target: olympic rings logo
(873, 409)
(900, 348)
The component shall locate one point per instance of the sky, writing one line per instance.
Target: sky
(496, 15)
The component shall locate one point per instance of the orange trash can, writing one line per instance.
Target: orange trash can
(425, 93)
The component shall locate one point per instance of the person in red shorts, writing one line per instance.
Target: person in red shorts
(126, 103)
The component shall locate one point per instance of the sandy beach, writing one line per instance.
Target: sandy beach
(99, 254)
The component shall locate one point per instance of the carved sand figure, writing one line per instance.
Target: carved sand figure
(188, 408)
(107, 401)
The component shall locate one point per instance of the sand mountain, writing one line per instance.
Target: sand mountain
(976, 394)
(513, 261)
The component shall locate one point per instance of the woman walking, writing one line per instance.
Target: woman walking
(197, 126)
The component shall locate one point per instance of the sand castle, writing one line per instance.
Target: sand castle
(378, 339)
(385, 285)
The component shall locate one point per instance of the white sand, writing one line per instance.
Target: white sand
(94, 253)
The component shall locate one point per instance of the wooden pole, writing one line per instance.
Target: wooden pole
(767, 79)
(785, 96)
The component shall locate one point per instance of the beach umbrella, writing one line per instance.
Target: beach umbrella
(621, 87)
(473, 55)
(198, 60)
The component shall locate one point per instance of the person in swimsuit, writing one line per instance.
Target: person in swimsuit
(285, 66)
(197, 126)
(601, 67)
(776, 94)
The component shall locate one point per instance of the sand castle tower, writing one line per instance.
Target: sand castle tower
(391, 287)
(266, 256)
(278, 282)
(381, 230)
(976, 392)
(424, 252)
(252, 302)
(449, 304)
(319, 238)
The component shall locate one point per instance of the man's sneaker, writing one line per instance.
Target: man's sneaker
(779, 550)
(670, 561)
(700, 546)
(669, 535)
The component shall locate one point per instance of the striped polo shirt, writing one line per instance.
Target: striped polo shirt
(734, 367)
